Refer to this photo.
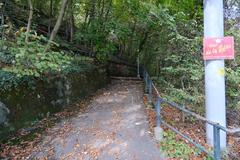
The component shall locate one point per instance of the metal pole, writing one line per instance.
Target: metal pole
(158, 132)
(150, 91)
(146, 82)
(158, 110)
(214, 69)
(138, 69)
(217, 148)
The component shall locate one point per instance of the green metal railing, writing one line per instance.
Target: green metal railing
(217, 128)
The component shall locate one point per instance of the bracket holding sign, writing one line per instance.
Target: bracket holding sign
(218, 48)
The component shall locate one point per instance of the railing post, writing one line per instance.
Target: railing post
(158, 110)
(217, 148)
(138, 67)
(150, 91)
(146, 82)
(143, 75)
(158, 132)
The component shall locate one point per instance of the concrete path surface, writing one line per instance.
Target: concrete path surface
(115, 127)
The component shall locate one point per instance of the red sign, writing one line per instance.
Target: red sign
(218, 48)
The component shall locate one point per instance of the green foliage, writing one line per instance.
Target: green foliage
(30, 59)
(96, 38)
(7, 80)
(173, 55)
(232, 67)
(167, 34)
(176, 149)
(233, 81)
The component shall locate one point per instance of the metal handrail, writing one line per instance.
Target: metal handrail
(150, 86)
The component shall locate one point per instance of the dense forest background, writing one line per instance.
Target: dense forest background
(54, 52)
(44, 38)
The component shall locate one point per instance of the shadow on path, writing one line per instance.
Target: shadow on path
(115, 127)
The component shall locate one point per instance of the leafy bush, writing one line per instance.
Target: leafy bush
(173, 56)
(232, 67)
(31, 59)
(176, 149)
(96, 38)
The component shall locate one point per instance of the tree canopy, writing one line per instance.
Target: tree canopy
(166, 35)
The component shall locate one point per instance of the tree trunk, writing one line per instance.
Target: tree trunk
(92, 11)
(58, 24)
(71, 22)
(2, 19)
(108, 10)
(29, 19)
(86, 18)
(143, 41)
(102, 11)
(50, 17)
(131, 39)
(71, 28)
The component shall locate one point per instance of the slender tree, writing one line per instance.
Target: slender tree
(2, 19)
(71, 20)
(50, 17)
(29, 20)
(58, 24)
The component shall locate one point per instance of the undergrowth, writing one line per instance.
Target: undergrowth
(176, 149)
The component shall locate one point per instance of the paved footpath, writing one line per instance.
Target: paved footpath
(115, 127)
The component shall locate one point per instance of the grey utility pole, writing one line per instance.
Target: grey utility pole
(214, 70)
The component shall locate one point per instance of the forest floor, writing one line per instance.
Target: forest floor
(195, 129)
(114, 125)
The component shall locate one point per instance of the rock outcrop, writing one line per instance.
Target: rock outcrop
(4, 111)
